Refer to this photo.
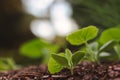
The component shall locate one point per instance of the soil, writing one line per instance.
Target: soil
(83, 71)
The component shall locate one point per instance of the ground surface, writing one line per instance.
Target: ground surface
(83, 71)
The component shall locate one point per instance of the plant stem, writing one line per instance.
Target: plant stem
(94, 56)
(117, 50)
(71, 70)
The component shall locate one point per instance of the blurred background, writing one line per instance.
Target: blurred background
(49, 20)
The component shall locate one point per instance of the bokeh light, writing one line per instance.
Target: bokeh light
(56, 18)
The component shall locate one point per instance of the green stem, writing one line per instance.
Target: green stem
(94, 56)
(117, 50)
(71, 70)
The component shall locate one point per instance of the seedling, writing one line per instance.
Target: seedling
(83, 35)
(109, 39)
(100, 51)
(65, 60)
(112, 34)
(7, 64)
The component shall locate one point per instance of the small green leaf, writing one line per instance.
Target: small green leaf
(108, 45)
(110, 34)
(60, 59)
(83, 35)
(77, 56)
(53, 66)
(68, 54)
(36, 48)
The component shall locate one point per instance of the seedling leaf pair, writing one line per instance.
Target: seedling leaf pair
(68, 60)
(82, 36)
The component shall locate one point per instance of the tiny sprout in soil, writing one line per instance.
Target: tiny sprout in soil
(91, 51)
(68, 60)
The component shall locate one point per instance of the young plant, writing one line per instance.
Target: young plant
(112, 34)
(64, 60)
(93, 51)
(7, 64)
(82, 36)
(102, 51)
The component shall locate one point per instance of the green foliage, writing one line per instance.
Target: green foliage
(109, 38)
(105, 47)
(60, 59)
(53, 66)
(103, 13)
(77, 56)
(110, 34)
(69, 60)
(7, 64)
(83, 35)
(108, 45)
(37, 48)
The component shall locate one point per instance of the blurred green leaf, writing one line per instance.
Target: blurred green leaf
(37, 48)
(7, 64)
(110, 34)
(83, 35)
(110, 44)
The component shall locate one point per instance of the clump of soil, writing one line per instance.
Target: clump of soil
(83, 71)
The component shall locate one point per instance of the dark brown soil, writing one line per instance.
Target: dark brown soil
(83, 71)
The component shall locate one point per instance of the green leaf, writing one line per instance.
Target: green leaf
(83, 35)
(37, 48)
(7, 64)
(60, 59)
(110, 34)
(53, 66)
(77, 56)
(110, 44)
(68, 54)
